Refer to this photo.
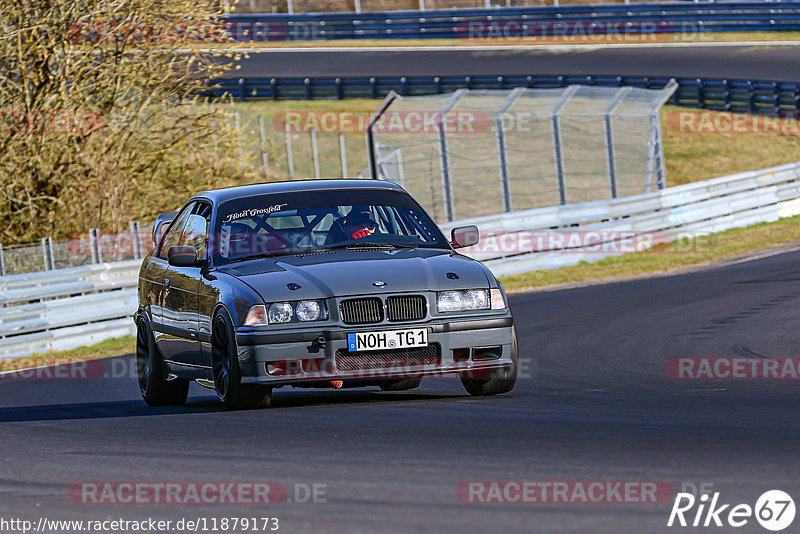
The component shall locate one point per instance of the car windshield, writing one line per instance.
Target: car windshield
(314, 221)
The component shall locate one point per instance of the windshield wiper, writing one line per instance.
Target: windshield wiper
(257, 256)
(368, 245)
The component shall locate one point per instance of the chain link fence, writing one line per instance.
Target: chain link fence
(462, 154)
(96, 247)
(480, 152)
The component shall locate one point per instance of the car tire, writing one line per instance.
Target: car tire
(154, 385)
(228, 375)
(500, 380)
(401, 385)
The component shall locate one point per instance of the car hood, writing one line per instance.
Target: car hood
(355, 272)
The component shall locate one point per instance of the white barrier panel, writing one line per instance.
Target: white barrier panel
(510, 244)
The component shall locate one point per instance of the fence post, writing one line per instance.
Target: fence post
(611, 161)
(238, 124)
(213, 133)
(401, 176)
(422, 5)
(370, 135)
(505, 186)
(290, 6)
(358, 6)
(94, 245)
(315, 152)
(135, 241)
(444, 156)
(263, 131)
(343, 155)
(557, 148)
(47, 253)
(2, 262)
(289, 157)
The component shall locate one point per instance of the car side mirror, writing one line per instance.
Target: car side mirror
(182, 256)
(464, 236)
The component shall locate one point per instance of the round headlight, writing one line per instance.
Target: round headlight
(476, 299)
(280, 312)
(448, 301)
(308, 310)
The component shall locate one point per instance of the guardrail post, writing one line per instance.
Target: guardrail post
(505, 186)
(609, 134)
(358, 6)
(558, 152)
(290, 6)
(2, 262)
(289, 157)
(47, 253)
(136, 243)
(263, 131)
(444, 159)
(94, 245)
(314, 152)
(343, 155)
(422, 5)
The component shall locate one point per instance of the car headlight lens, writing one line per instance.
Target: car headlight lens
(257, 316)
(308, 310)
(476, 299)
(454, 301)
(448, 301)
(280, 312)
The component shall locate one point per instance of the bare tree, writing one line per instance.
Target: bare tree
(103, 116)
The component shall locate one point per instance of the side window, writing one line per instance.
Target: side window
(173, 236)
(195, 234)
(196, 231)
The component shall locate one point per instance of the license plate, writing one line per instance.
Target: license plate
(387, 340)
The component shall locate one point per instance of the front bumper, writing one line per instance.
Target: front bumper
(467, 347)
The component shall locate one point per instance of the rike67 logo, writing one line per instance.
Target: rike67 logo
(774, 510)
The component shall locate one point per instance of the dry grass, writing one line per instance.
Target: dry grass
(109, 347)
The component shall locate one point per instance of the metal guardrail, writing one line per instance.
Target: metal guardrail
(754, 96)
(66, 308)
(95, 302)
(683, 211)
(512, 22)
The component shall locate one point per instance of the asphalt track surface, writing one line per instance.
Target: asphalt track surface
(772, 62)
(594, 403)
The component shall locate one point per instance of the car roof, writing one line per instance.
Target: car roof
(219, 196)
